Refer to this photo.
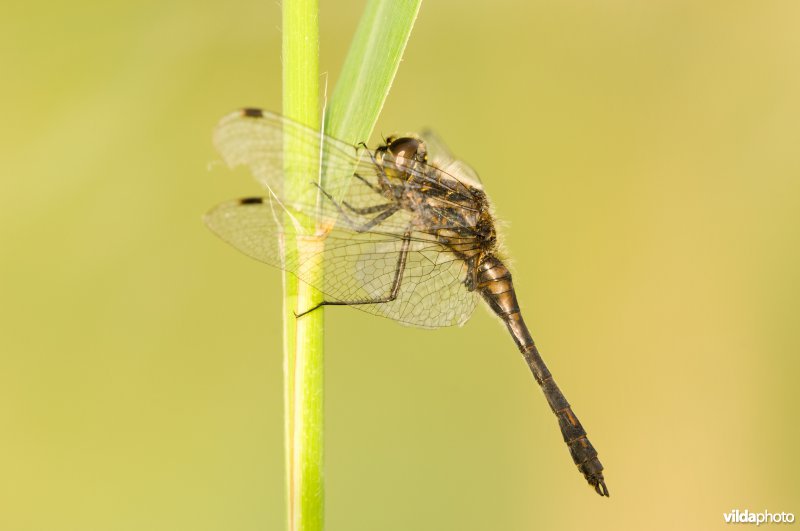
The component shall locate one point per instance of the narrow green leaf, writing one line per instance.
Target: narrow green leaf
(369, 68)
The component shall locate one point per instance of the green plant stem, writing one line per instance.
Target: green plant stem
(303, 338)
(367, 75)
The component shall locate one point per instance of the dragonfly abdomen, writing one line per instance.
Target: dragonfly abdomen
(494, 284)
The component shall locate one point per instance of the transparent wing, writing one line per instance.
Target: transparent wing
(358, 267)
(348, 174)
(256, 139)
(440, 156)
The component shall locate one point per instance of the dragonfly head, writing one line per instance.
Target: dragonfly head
(407, 151)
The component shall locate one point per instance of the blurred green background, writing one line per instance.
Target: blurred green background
(643, 154)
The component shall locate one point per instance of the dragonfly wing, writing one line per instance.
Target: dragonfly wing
(349, 176)
(357, 267)
(440, 156)
(257, 138)
(432, 290)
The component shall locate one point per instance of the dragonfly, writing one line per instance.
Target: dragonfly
(403, 231)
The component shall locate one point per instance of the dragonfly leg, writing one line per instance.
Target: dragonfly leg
(376, 220)
(367, 210)
(382, 177)
(372, 187)
(395, 289)
(364, 227)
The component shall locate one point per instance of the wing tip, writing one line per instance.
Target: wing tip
(244, 201)
(252, 112)
(251, 201)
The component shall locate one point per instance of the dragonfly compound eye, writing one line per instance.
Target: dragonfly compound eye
(407, 150)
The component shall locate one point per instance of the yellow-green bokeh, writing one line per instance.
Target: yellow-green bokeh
(643, 154)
